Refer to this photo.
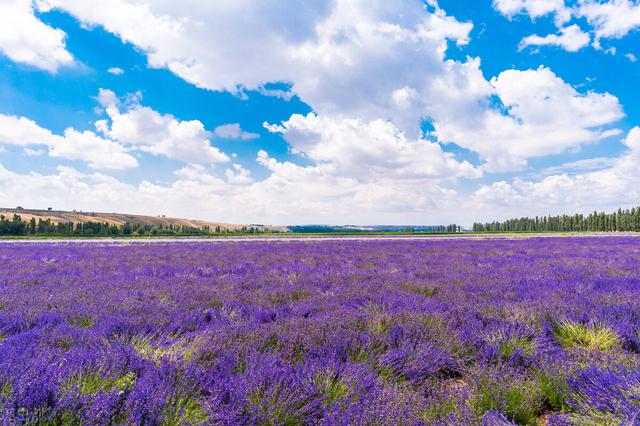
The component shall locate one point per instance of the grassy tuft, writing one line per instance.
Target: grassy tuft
(82, 321)
(5, 389)
(508, 345)
(184, 410)
(424, 291)
(555, 391)
(275, 406)
(331, 388)
(215, 304)
(379, 324)
(521, 401)
(148, 347)
(572, 334)
(93, 383)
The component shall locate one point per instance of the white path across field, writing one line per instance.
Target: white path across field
(310, 238)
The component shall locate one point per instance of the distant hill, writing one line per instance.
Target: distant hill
(75, 217)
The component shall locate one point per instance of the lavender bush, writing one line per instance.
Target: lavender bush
(487, 332)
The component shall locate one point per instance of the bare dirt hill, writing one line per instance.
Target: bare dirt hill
(59, 216)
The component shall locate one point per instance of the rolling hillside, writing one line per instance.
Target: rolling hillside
(59, 216)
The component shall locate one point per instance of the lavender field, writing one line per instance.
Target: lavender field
(489, 332)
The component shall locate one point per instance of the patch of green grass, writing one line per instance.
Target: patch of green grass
(215, 304)
(390, 375)
(5, 389)
(331, 387)
(598, 337)
(281, 298)
(276, 407)
(270, 344)
(182, 349)
(508, 345)
(439, 412)
(299, 295)
(361, 356)
(424, 291)
(82, 321)
(93, 383)
(520, 401)
(597, 418)
(184, 410)
(379, 324)
(555, 391)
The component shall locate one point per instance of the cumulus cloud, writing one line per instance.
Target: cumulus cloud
(134, 128)
(233, 131)
(364, 150)
(97, 152)
(540, 115)
(301, 194)
(26, 39)
(292, 194)
(610, 187)
(238, 175)
(611, 19)
(147, 130)
(534, 8)
(360, 60)
(86, 146)
(571, 39)
(341, 56)
(107, 98)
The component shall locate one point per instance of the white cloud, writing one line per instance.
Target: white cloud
(631, 57)
(136, 128)
(97, 152)
(611, 19)
(115, 71)
(362, 60)
(26, 39)
(571, 39)
(320, 194)
(608, 19)
(159, 134)
(107, 98)
(291, 195)
(542, 115)
(534, 8)
(29, 152)
(341, 56)
(609, 187)
(368, 150)
(233, 131)
(238, 175)
(23, 132)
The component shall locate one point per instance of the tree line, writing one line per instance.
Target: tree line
(18, 227)
(619, 221)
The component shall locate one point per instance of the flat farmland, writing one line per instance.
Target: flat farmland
(536, 331)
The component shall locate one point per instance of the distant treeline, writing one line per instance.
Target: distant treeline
(324, 229)
(620, 221)
(18, 227)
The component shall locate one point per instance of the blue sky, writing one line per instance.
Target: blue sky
(340, 111)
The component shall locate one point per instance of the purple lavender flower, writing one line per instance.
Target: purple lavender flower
(334, 332)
